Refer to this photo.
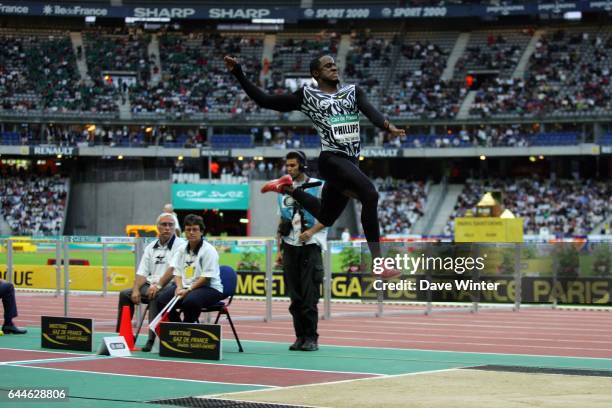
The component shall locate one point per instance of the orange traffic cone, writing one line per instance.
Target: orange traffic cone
(125, 329)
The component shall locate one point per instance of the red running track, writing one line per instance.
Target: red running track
(569, 333)
(202, 372)
(10, 355)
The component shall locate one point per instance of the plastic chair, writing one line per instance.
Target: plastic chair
(229, 279)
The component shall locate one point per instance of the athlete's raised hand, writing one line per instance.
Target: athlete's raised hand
(396, 131)
(230, 62)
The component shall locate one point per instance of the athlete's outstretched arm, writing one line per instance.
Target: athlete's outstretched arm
(374, 115)
(281, 103)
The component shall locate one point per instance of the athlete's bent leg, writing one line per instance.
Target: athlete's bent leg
(343, 174)
(311, 203)
(333, 202)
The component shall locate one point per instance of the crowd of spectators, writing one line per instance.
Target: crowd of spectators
(369, 61)
(31, 204)
(496, 53)
(254, 169)
(124, 136)
(294, 51)
(485, 135)
(558, 206)
(39, 72)
(194, 77)
(289, 137)
(116, 51)
(15, 90)
(401, 203)
(420, 91)
(568, 73)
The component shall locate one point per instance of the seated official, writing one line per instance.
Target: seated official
(153, 277)
(7, 294)
(196, 273)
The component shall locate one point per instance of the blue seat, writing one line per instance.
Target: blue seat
(229, 280)
(310, 141)
(606, 139)
(229, 141)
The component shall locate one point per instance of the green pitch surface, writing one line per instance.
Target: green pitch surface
(124, 258)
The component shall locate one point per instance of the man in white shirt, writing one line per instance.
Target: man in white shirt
(301, 239)
(195, 266)
(153, 277)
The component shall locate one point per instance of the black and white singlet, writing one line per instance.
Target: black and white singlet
(335, 116)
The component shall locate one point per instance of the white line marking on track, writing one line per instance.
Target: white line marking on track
(52, 360)
(141, 376)
(443, 351)
(345, 381)
(45, 351)
(485, 344)
(257, 366)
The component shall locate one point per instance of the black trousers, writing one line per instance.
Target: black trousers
(343, 178)
(303, 273)
(7, 294)
(154, 305)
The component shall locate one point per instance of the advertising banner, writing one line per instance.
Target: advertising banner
(449, 288)
(190, 340)
(210, 196)
(237, 12)
(81, 277)
(66, 333)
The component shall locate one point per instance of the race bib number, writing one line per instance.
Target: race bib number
(345, 128)
(189, 272)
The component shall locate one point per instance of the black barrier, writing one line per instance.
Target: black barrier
(66, 333)
(190, 340)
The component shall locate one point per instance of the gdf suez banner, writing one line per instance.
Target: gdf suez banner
(448, 288)
(210, 196)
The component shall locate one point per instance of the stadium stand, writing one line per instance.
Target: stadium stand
(568, 75)
(606, 139)
(368, 61)
(118, 50)
(228, 141)
(563, 206)
(294, 51)
(421, 92)
(400, 70)
(38, 73)
(496, 51)
(32, 204)
(401, 204)
(195, 80)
